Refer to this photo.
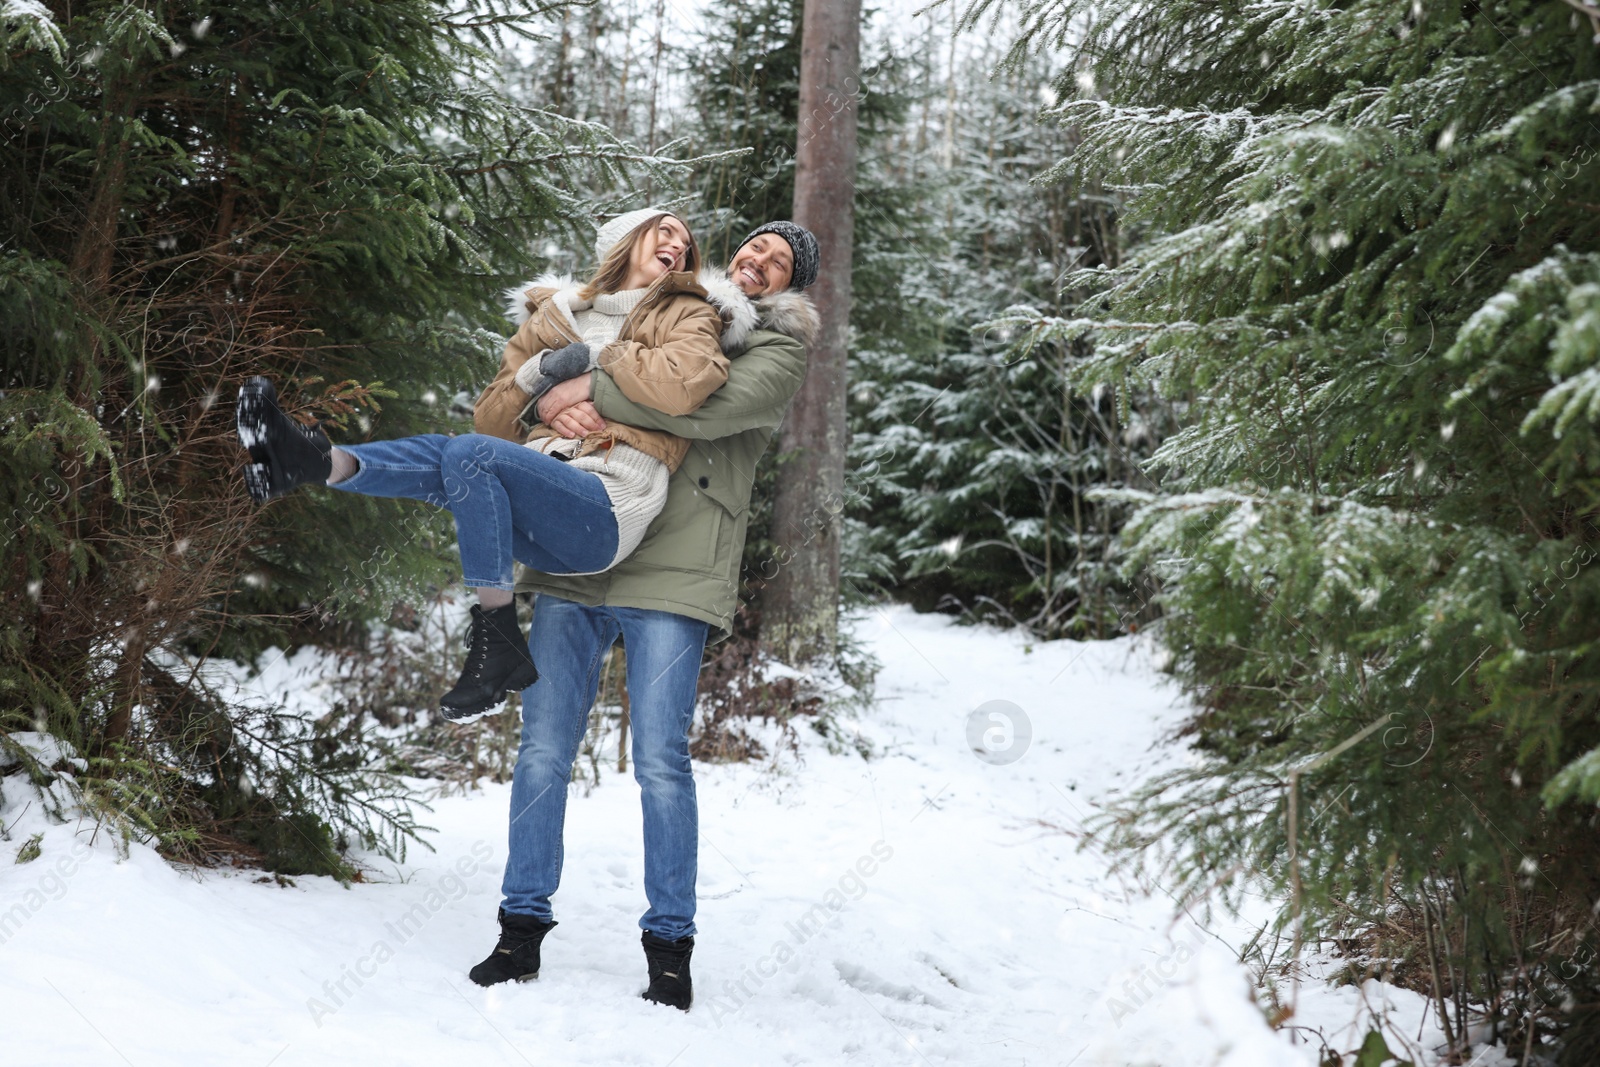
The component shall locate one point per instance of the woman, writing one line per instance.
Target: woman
(564, 504)
(662, 600)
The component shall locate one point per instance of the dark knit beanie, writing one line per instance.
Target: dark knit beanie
(804, 246)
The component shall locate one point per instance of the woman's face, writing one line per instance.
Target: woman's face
(658, 251)
(765, 265)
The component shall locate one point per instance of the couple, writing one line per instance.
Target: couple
(614, 458)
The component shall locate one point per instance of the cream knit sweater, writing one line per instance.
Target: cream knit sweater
(635, 483)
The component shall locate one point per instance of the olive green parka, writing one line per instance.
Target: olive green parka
(689, 560)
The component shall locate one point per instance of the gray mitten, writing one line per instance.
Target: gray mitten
(564, 363)
(558, 366)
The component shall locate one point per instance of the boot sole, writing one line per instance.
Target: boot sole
(263, 428)
(250, 423)
(258, 480)
(647, 998)
(471, 717)
(520, 679)
(254, 395)
(490, 985)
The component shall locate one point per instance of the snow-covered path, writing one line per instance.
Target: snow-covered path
(921, 907)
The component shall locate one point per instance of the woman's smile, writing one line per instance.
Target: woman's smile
(659, 252)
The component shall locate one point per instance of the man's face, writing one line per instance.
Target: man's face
(765, 265)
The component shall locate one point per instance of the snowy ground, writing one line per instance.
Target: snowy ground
(963, 925)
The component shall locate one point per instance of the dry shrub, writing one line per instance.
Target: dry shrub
(737, 689)
(387, 690)
(1542, 989)
(742, 684)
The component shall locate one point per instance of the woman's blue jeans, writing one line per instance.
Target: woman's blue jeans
(511, 504)
(663, 650)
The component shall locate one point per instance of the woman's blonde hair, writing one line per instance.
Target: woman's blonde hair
(612, 272)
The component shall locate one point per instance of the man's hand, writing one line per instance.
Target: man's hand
(562, 396)
(578, 420)
(566, 409)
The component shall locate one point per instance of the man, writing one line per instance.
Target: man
(662, 600)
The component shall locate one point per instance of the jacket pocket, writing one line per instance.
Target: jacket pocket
(712, 472)
(695, 537)
(716, 543)
(693, 533)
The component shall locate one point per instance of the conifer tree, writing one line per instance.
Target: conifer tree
(192, 192)
(745, 94)
(986, 455)
(1374, 291)
(611, 64)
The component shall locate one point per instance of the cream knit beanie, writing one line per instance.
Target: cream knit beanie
(607, 236)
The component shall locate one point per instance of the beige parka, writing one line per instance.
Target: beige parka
(667, 356)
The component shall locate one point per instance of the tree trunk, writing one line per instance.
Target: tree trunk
(801, 612)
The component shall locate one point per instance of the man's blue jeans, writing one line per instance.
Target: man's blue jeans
(569, 641)
(511, 504)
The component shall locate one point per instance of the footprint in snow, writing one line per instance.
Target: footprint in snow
(860, 978)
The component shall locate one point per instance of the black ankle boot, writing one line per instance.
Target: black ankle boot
(284, 453)
(516, 955)
(669, 971)
(497, 663)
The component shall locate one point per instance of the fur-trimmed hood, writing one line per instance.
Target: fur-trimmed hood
(788, 312)
(791, 314)
(522, 300)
